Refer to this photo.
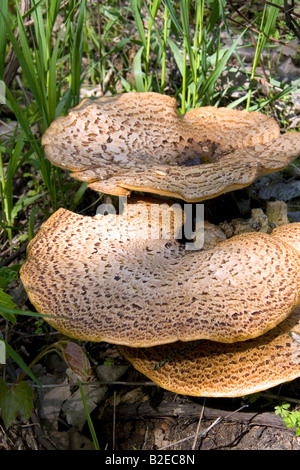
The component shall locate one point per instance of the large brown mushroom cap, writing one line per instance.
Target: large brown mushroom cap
(125, 279)
(138, 141)
(211, 369)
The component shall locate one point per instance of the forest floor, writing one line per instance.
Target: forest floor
(130, 413)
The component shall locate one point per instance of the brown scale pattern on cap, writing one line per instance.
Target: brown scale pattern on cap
(289, 233)
(211, 369)
(138, 141)
(112, 280)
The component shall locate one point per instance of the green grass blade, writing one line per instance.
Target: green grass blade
(164, 49)
(219, 66)
(184, 11)
(17, 358)
(7, 181)
(3, 39)
(267, 25)
(31, 67)
(173, 16)
(177, 55)
(23, 55)
(138, 72)
(136, 9)
(40, 36)
(44, 166)
(78, 196)
(32, 216)
(88, 417)
(51, 80)
(77, 55)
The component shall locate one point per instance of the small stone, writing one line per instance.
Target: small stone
(276, 212)
(74, 409)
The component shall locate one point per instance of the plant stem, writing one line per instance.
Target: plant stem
(164, 52)
(4, 199)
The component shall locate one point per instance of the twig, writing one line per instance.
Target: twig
(254, 30)
(42, 439)
(2, 431)
(97, 383)
(15, 255)
(204, 433)
(289, 20)
(280, 397)
(285, 9)
(199, 424)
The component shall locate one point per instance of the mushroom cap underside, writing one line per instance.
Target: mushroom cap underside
(138, 142)
(126, 279)
(211, 369)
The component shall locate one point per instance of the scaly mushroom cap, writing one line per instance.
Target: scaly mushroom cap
(125, 279)
(211, 369)
(289, 233)
(138, 141)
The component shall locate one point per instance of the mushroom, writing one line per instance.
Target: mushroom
(138, 142)
(212, 369)
(126, 279)
(289, 233)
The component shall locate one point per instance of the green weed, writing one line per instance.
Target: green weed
(290, 418)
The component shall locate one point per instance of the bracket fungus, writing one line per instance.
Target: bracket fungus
(205, 322)
(126, 279)
(138, 142)
(213, 369)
